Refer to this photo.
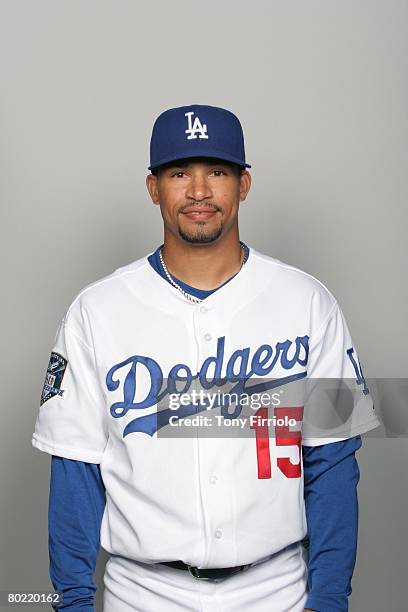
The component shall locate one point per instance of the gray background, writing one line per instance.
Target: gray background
(321, 90)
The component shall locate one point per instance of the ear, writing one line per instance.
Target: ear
(151, 184)
(244, 185)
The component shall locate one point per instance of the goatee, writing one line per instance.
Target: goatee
(199, 236)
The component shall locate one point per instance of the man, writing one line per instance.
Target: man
(195, 520)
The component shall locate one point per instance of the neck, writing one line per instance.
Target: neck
(204, 266)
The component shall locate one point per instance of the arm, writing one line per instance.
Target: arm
(331, 475)
(76, 505)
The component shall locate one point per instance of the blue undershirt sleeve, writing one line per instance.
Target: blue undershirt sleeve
(331, 475)
(76, 506)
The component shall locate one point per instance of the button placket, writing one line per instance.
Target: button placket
(216, 510)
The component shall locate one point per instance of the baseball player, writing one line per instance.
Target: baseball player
(182, 410)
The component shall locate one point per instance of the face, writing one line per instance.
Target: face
(199, 200)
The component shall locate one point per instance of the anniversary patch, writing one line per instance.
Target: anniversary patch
(53, 377)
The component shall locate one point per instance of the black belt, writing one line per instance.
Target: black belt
(216, 574)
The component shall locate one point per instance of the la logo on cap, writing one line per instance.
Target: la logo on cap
(195, 128)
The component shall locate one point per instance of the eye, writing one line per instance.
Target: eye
(179, 173)
(219, 171)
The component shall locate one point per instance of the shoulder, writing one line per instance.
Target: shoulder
(98, 295)
(289, 282)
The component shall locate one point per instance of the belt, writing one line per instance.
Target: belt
(216, 574)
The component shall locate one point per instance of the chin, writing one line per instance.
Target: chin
(199, 236)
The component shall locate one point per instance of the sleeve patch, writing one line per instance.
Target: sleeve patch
(53, 377)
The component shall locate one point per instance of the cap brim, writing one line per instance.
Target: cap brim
(222, 156)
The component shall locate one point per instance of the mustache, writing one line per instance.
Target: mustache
(199, 205)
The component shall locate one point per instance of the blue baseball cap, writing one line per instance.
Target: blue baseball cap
(197, 131)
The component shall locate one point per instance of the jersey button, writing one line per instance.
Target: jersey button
(218, 534)
(207, 337)
(203, 309)
(214, 479)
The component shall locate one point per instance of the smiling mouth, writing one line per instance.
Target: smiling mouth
(200, 213)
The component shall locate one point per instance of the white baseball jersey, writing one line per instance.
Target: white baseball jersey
(130, 343)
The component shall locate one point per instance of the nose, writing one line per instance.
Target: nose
(199, 187)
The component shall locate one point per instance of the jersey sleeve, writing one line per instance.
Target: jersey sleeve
(71, 421)
(331, 476)
(76, 505)
(338, 403)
